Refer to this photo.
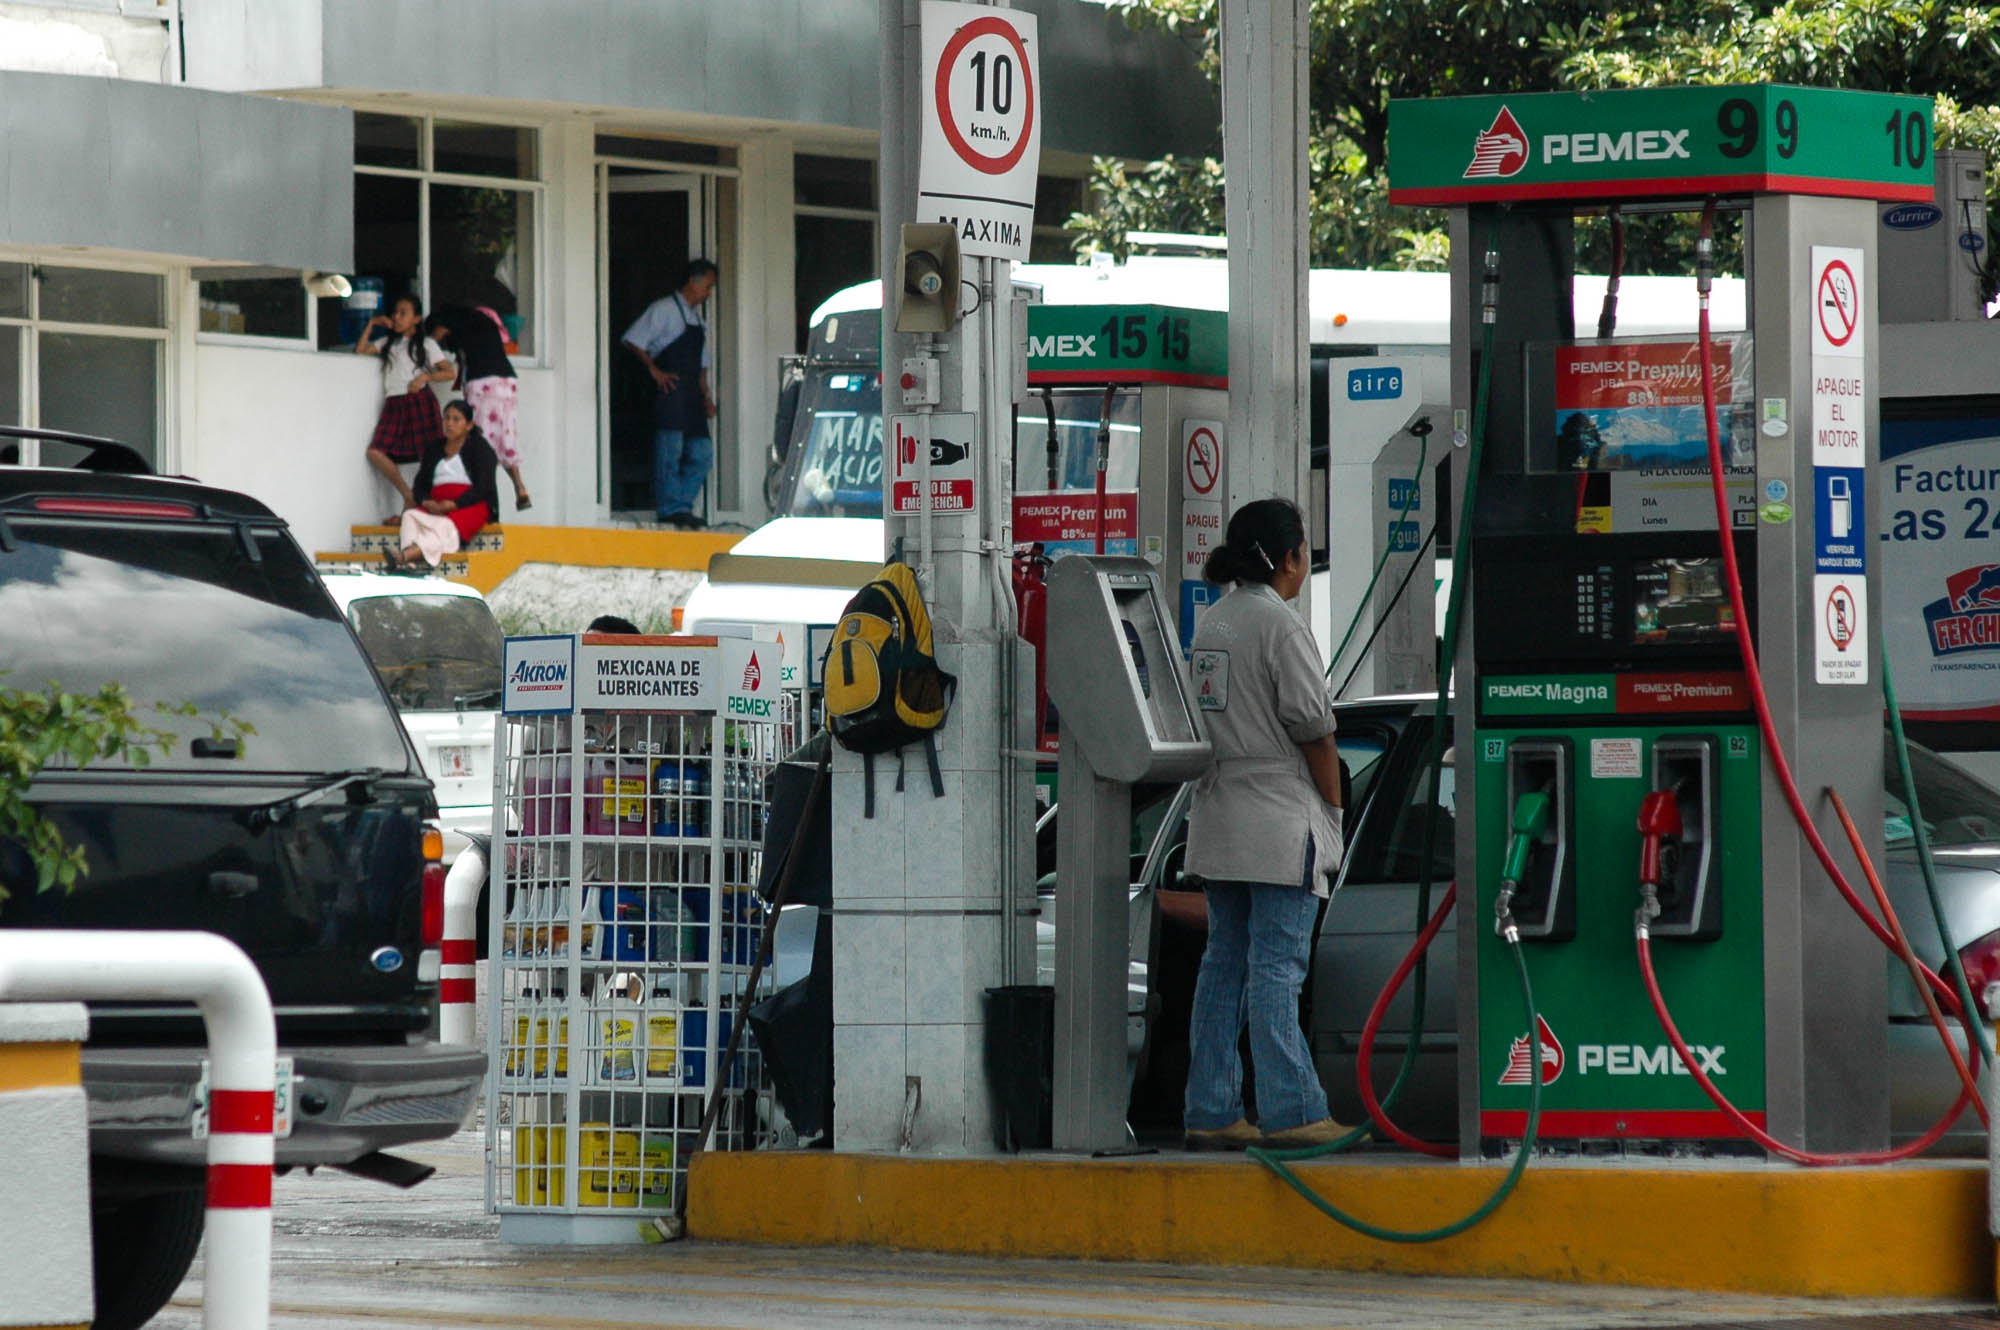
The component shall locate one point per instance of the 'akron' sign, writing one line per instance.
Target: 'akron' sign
(982, 143)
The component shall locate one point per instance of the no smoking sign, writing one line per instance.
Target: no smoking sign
(1836, 299)
(982, 126)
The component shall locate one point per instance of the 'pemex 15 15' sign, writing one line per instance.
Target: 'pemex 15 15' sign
(1760, 138)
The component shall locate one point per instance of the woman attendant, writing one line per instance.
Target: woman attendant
(1264, 836)
(454, 494)
(411, 363)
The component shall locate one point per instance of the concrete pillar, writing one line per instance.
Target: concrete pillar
(1264, 45)
(571, 323)
(920, 889)
(44, 1166)
(764, 280)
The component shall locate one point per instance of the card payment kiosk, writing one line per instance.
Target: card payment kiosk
(1115, 675)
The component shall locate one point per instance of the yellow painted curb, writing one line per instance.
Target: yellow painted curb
(1916, 1230)
(594, 547)
(39, 1066)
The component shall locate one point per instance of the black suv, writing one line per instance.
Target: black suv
(304, 842)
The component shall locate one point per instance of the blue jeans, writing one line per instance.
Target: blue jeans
(680, 466)
(1259, 936)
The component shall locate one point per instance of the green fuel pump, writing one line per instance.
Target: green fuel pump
(1611, 601)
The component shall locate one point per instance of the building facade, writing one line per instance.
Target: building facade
(180, 174)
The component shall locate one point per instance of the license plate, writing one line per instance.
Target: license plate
(454, 762)
(281, 1114)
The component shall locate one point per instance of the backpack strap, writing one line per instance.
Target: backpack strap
(907, 624)
(931, 757)
(868, 785)
(899, 771)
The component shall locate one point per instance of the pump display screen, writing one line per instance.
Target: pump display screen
(1547, 602)
(1680, 600)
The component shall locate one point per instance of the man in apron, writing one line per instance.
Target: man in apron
(671, 341)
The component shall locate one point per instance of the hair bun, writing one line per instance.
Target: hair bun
(1224, 565)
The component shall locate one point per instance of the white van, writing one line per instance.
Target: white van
(438, 648)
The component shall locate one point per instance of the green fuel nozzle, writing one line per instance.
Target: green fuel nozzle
(1531, 819)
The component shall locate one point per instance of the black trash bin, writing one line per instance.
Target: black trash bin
(1021, 1064)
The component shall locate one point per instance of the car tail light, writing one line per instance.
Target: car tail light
(1981, 961)
(114, 507)
(433, 915)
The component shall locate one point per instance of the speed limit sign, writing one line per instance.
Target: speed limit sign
(982, 142)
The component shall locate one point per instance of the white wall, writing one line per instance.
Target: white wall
(70, 41)
(254, 45)
(291, 427)
(764, 285)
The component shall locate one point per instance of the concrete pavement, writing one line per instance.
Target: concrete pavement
(352, 1253)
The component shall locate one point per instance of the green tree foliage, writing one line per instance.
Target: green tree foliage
(55, 729)
(1367, 52)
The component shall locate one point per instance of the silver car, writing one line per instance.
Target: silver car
(1372, 921)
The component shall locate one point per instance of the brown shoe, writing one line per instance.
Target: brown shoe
(1324, 1132)
(1238, 1135)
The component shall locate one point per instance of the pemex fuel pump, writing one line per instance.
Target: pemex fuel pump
(1669, 605)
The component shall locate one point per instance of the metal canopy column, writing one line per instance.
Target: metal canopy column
(1264, 46)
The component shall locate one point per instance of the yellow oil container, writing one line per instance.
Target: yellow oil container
(539, 1154)
(608, 1172)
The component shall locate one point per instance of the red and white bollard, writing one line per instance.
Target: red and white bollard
(214, 974)
(458, 973)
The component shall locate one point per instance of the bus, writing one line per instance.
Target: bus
(824, 475)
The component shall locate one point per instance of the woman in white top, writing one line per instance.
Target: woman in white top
(1263, 837)
(411, 363)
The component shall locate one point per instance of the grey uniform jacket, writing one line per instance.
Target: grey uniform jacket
(1258, 681)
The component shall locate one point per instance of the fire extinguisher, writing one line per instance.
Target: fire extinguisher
(1031, 594)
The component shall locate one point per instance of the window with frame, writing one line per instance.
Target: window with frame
(833, 230)
(450, 210)
(81, 349)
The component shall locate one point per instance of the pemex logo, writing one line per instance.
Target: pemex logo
(1517, 1070)
(753, 676)
(1499, 152)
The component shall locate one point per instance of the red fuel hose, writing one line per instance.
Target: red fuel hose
(1781, 768)
(1751, 1129)
(1733, 576)
(1363, 1074)
(1908, 955)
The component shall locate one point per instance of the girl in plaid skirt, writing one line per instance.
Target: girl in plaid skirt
(411, 363)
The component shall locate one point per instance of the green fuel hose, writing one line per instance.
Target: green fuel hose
(1500, 1193)
(1278, 1160)
(1981, 1036)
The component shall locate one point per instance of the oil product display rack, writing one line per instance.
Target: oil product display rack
(624, 922)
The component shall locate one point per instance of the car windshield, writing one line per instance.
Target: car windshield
(1958, 808)
(436, 653)
(183, 615)
(839, 471)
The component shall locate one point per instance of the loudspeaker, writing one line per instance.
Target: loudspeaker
(928, 265)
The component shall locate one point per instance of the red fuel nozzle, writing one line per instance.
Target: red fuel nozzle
(1659, 818)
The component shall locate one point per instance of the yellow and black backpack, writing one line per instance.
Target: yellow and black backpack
(883, 685)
